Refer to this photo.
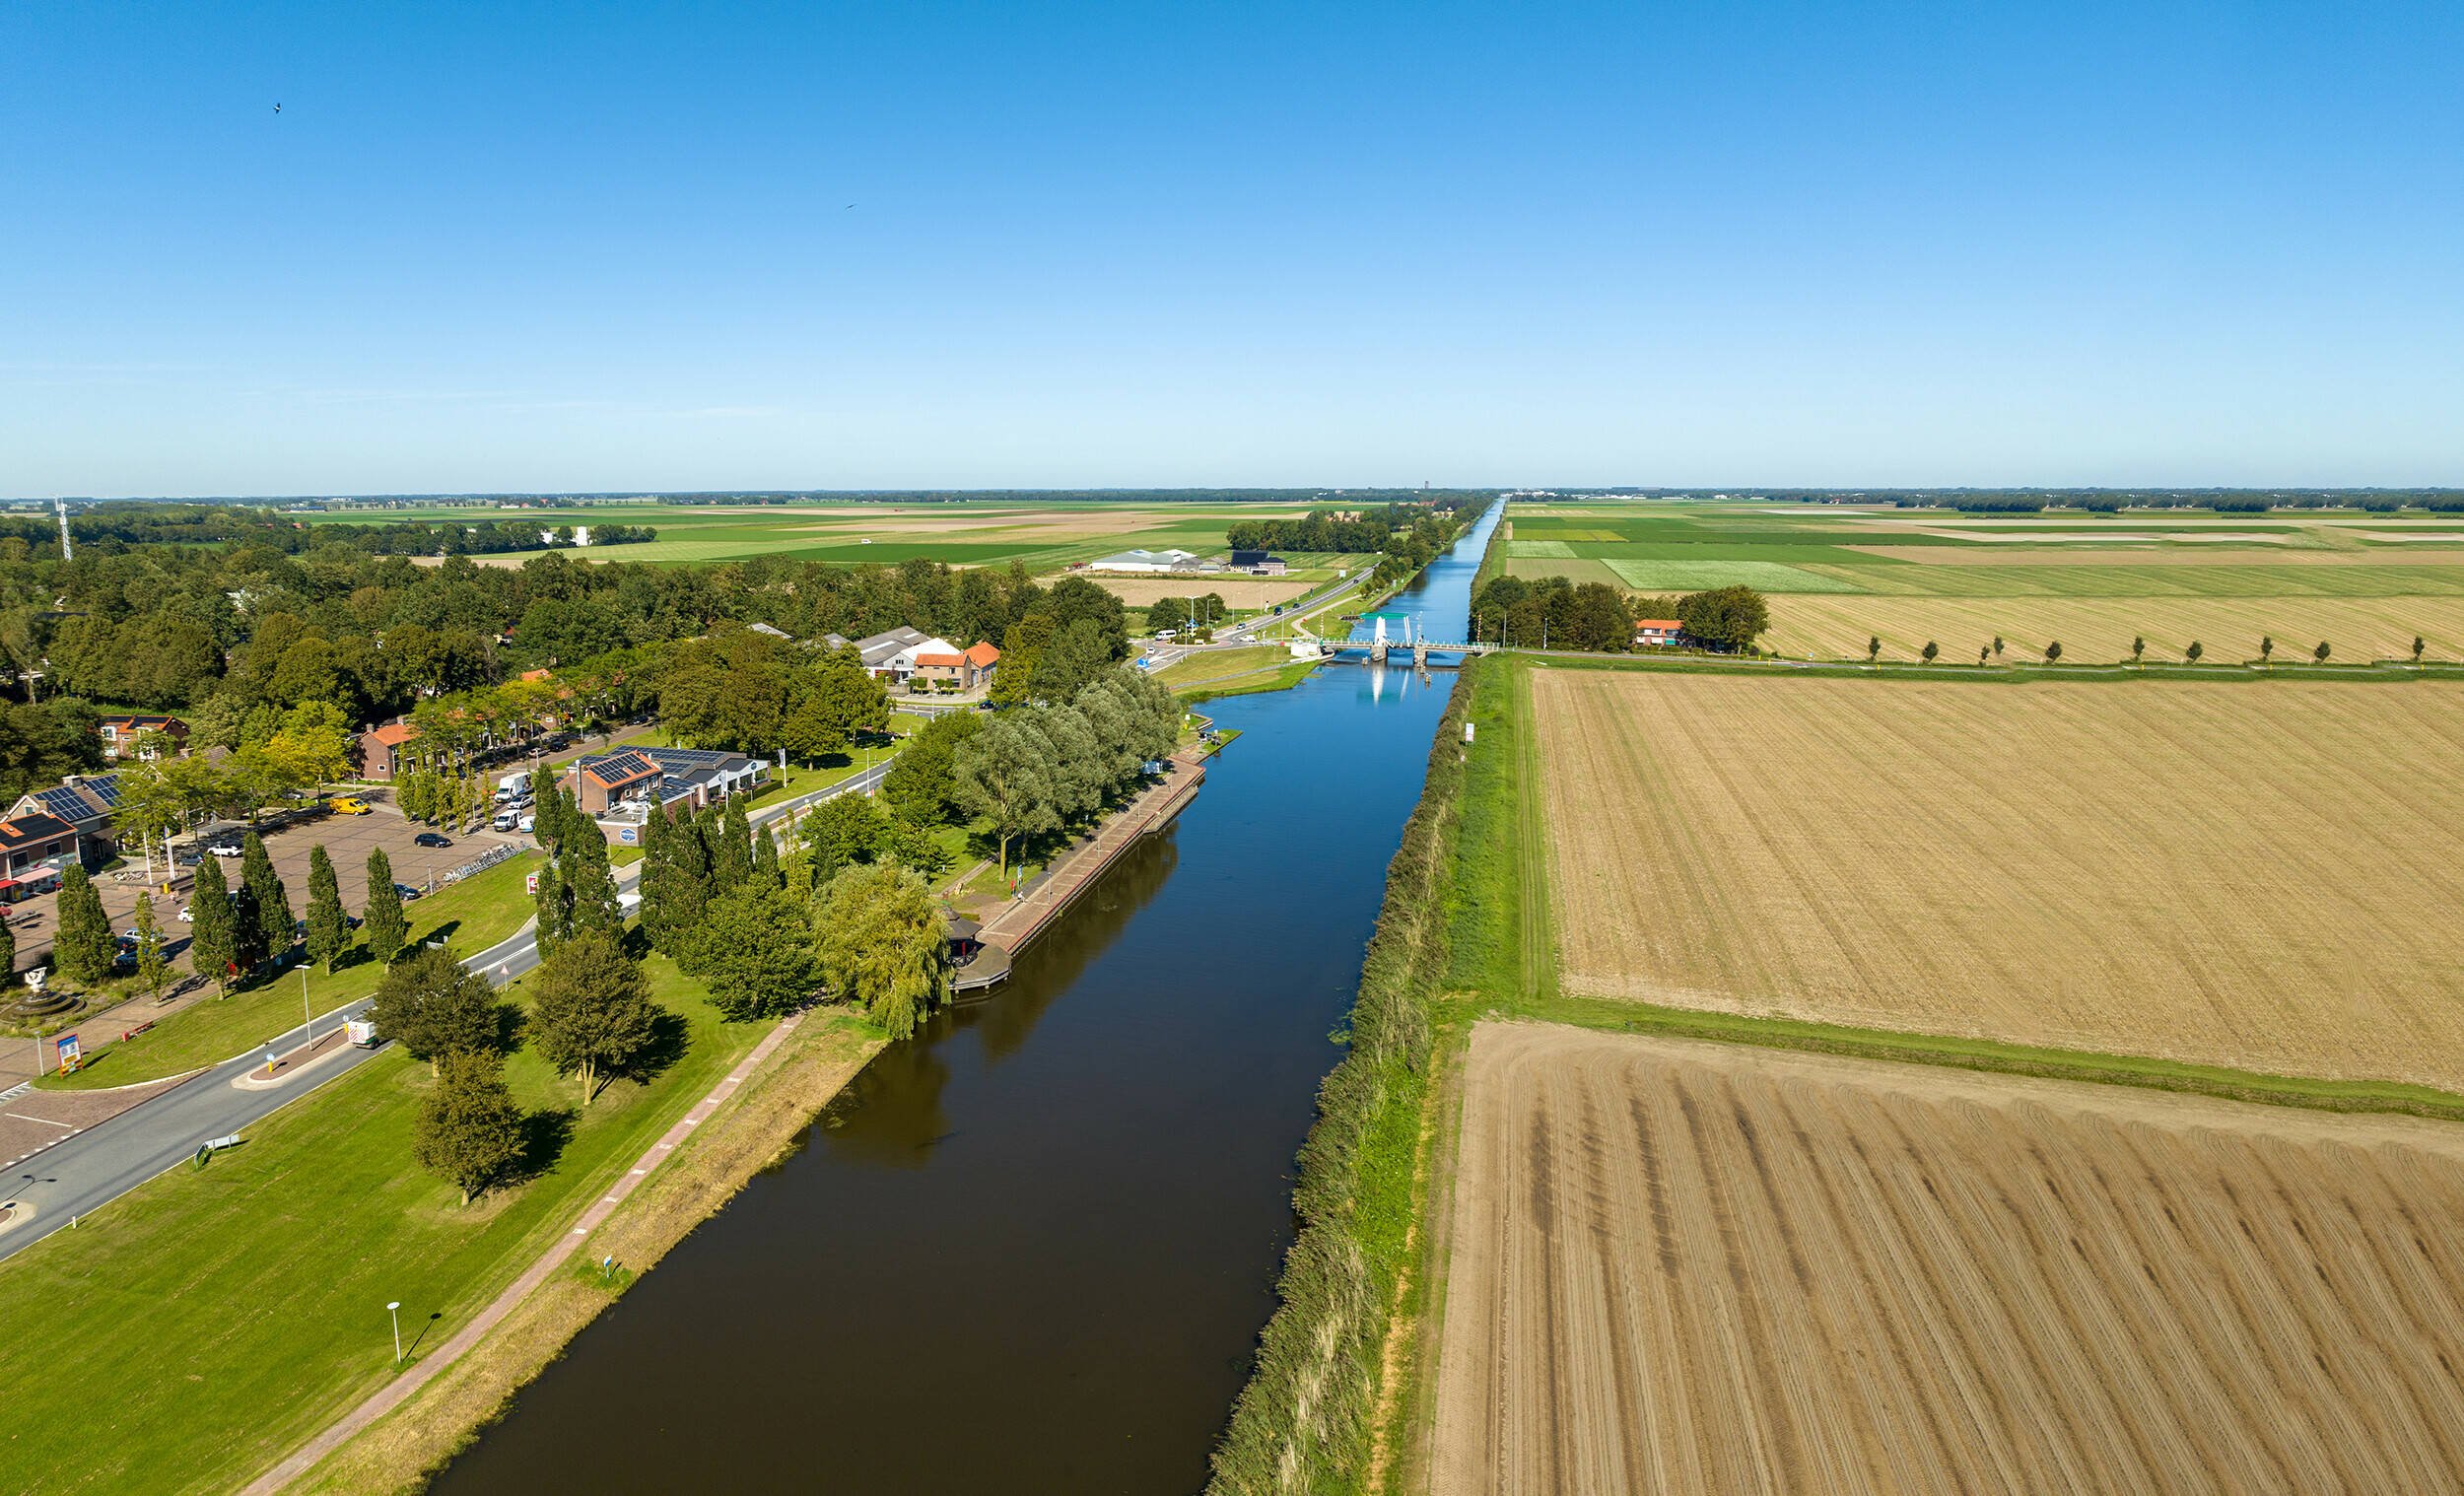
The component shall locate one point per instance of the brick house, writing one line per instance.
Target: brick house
(380, 748)
(1657, 631)
(602, 782)
(85, 803)
(119, 733)
(970, 667)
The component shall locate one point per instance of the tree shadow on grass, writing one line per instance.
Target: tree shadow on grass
(670, 1039)
(545, 1133)
(511, 1023)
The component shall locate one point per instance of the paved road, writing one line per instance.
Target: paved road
(81, 1173)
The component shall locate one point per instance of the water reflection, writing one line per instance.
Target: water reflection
(1030, 1250)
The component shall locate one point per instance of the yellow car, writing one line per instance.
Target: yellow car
(349, 807)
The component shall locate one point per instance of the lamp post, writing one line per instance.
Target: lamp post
(308, 1022)
(393, 1313)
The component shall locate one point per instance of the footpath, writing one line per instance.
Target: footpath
(1150, 809)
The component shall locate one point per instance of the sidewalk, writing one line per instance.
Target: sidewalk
(1022, 919)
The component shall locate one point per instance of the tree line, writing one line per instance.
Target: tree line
(1555, 612)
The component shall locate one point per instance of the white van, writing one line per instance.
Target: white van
(510, 786)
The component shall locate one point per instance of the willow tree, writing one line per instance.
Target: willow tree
(884, 945)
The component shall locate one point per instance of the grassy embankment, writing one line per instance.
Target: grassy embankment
(1234, 672)
(187, 1336)
(1304, 1422)
(470, 915)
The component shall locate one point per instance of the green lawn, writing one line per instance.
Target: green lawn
(187, 1336)
(472, 914)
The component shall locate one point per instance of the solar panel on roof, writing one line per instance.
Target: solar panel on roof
(106, 788)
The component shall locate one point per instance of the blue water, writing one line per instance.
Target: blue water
(1031, 1250)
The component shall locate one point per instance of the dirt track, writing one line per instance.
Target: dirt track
(1702, 1268)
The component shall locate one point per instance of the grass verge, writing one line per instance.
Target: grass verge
(397, 1450)
(189, 1335)
(472, 914)
(1304, 1422)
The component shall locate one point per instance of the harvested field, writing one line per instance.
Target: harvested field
(1699, 1267)
(2255, 875)
(1236, 591)
(2101, 629)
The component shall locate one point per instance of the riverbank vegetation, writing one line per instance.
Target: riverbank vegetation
(262, 1279)
(1304, 1420)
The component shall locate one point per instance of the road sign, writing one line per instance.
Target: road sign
(530, 884)
(66, 1046)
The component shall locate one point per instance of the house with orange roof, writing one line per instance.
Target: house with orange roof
(1657, 631)
(939, 660)
(380, 748)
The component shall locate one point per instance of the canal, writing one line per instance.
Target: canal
(1030, 1250)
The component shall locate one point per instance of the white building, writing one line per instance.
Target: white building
(1147, 561)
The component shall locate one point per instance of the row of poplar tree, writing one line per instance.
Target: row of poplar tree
(234, 933)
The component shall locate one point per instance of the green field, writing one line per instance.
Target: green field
(1043, 537)
(2368, 582)
(184, 1339)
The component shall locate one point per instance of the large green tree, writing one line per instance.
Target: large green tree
(1006, 774)
(328, 924)
(153, 967)
(675, 884)
(884, 945)
(757, 952)
(273, 922)
(214, 929)
(1726, 618)
(84, 948)
(382, 920)
(920, 785)
(432, 1006)
(590, 1010)
(469, 1130)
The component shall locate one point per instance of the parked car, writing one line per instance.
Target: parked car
(406, 892)
(530, 823)
(350, 806)
(433, 839)
(505, 820)
(229, 847)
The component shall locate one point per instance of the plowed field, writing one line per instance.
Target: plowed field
(2101, 629)
(1704, 1268)
(2262, 875)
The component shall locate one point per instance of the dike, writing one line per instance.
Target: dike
(1303, 1423)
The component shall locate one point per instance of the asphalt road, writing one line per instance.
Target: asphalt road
(79, 1175)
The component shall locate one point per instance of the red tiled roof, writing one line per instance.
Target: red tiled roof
(394, 735)
(982, 653)
(1659, 623)
(534, 675)
(953, 661)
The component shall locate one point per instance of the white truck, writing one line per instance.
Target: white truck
(511, 786)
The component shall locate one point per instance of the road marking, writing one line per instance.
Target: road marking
(45, 1121)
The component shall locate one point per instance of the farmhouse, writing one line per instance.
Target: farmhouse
(1657, 631)
(1258, 563)
(880, 651)
(1147, 561)
(85, 804)
(119, 733)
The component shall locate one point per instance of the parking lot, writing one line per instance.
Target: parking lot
(348, 839)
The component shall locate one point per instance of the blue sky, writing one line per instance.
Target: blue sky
(530, 246)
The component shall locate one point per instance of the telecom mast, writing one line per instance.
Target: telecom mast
(67, 551)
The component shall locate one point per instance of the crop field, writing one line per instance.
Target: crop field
(2254, 874)
(1686, 1266)
(2367, 583)
(1042, 538)
(2226, 629)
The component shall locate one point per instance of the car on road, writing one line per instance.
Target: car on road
(227, 847)
(350, 806)
(433, 839)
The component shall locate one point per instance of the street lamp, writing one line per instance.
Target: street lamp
(308, 1023)
(393, 1313)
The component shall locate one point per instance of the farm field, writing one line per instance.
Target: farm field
(2368, 583)
(1705, 1267)
(2227, 629)
(2227, 873)
(1044, 537)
